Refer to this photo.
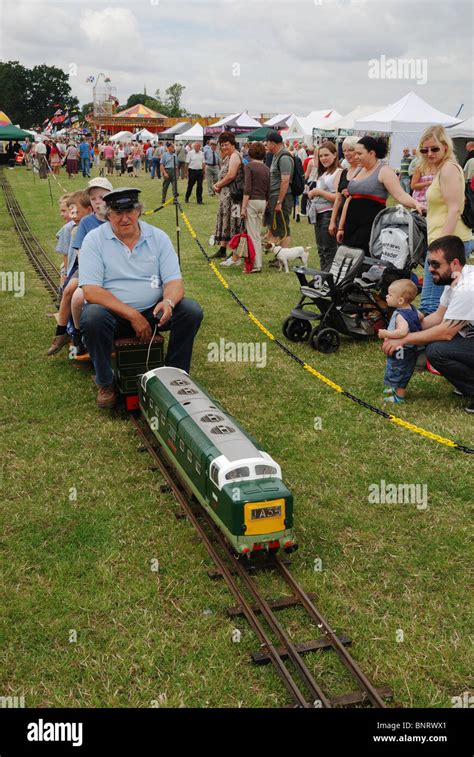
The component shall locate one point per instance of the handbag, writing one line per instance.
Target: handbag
(243, 246)
(236, 186)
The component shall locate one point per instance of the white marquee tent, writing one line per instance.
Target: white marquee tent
(465, 130)
(194, 134)
(302, 128)
(347, 121)
(123, 136)
(406, 120)
(237, 123)
(281, 121)
(146, 134)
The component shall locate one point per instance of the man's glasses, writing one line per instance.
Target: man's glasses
(425, 150)
(434, 264)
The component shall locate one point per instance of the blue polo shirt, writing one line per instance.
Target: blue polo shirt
(135, 277)
(86, 224)
(169, 160)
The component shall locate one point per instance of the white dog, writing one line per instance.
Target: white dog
(285, 255)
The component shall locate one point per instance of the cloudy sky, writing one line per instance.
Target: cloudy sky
(263, 56)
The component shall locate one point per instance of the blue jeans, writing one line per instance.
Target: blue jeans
(86, 166)
(455, 361)
(326, 244)
(398, 371)
(155, 168)
(431, 292)
(100, 327)
(405, 182)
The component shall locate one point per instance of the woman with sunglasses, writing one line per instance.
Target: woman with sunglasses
(445, 199)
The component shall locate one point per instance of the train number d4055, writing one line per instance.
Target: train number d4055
(266, 512)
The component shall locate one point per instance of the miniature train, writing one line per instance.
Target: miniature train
(238, 484)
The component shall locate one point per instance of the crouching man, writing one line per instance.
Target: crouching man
(128, 272)
(448, 333)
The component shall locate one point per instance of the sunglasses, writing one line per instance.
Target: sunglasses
(435, 264)
(424, 150)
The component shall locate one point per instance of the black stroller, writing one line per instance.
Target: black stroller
(350, 298)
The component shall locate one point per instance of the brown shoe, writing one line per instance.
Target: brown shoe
(106, 397)
(58, 343)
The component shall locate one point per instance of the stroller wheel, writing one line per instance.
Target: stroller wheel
(326, 340)
(295, 329)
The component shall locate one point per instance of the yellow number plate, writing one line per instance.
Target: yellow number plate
(264, 517)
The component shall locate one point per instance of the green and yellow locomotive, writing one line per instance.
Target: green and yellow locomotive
(238, 484)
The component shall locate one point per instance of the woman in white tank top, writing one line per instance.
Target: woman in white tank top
(323, 196)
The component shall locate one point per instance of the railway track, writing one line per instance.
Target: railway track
(276, 645)
(37, 256)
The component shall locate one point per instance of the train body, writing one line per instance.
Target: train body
(238, 484)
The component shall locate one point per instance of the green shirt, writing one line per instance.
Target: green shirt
(282, 165)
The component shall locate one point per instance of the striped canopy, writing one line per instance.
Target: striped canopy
(4, 120)
(139, 111)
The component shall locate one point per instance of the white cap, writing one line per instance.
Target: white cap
(100, 182)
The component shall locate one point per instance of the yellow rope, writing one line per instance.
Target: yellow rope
(321, 377)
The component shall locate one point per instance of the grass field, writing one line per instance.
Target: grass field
(89, 623)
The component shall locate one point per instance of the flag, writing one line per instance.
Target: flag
(58, 117)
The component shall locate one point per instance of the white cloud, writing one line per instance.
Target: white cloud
(294, 55)
(111, 27)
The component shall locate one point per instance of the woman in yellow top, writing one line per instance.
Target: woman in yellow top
(445, 198)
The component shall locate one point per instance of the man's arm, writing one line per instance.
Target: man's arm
(174, 291)
(284, 185)
(438, 329)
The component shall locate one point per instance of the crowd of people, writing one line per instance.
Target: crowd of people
(341, 194)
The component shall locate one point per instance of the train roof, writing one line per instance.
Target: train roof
(217, 425)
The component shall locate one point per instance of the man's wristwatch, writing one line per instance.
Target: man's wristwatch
(170, 303)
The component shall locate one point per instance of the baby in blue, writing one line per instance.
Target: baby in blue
(405, 318)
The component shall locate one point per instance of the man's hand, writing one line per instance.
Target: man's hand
(141, 326)
(166, 310)
(390, 346)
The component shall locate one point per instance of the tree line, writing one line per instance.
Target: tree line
(31, 95)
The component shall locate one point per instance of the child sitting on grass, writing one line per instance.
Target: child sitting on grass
(405, 318)
(79, 205)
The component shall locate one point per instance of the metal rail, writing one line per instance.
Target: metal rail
(348, 662)
(39, 259)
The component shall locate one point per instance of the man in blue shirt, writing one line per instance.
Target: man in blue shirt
(129, 272)
(213, 163)
(169, 165)
(85, 155)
